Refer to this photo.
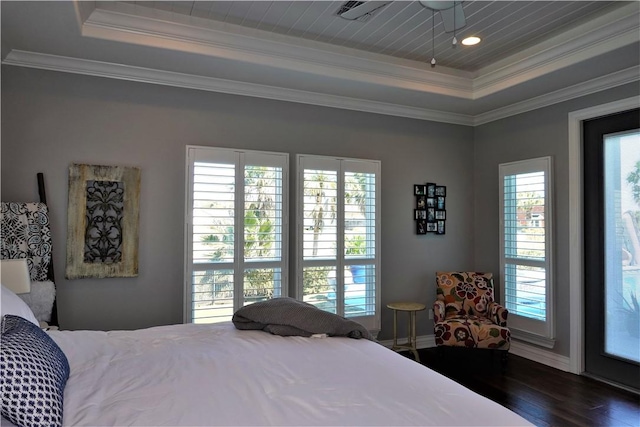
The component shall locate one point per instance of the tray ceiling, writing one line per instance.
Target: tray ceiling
(402, 29)
(533, 53)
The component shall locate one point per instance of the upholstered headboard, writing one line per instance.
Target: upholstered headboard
(26, 234)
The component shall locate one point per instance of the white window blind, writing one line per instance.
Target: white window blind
(526, 221)
(338, 233)
(236, 230)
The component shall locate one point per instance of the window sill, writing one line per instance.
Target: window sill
(532, 338)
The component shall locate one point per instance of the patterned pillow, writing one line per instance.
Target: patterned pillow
(34, 374)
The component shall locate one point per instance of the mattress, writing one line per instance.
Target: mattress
(217, 375)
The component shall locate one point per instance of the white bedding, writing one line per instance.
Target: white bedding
(217, 375)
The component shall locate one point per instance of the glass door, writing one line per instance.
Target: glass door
(612, 247)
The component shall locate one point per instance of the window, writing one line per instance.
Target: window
(236, 230)
(338, 227)
(525, 248)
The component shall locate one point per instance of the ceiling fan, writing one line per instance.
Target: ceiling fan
(451, 12)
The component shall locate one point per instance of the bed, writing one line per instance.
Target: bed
(195, 374)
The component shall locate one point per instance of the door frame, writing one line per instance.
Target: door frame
(576, 243)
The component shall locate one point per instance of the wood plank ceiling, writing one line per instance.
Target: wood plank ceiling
(403, 29)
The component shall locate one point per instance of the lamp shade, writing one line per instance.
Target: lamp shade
(14, 274)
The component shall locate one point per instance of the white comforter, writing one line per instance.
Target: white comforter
(217, 375)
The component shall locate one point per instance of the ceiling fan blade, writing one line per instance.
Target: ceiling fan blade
(361, 10)
(438, 5)
(451, 24)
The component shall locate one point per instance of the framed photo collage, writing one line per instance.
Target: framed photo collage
(430, 211)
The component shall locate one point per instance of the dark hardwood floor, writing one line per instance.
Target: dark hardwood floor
(543, 395)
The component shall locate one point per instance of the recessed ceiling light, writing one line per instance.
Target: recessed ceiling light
(470, 41)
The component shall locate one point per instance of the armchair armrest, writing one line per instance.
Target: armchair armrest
(438, 311)
(497, 313)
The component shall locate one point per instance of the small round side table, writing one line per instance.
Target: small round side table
(412, 308)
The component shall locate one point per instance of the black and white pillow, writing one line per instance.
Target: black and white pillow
(34, 373)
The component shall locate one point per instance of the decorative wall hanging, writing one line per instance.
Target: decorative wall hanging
(430, 212)
(102, 227)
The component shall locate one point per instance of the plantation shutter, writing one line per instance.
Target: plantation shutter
(237, 230)
(338, 236)
(526, 245)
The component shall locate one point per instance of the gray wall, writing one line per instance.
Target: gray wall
(538, 133)
(50, 120)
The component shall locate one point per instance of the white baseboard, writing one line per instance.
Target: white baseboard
(541, 356)
(517, 347)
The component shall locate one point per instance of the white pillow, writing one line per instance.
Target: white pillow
(12, 304)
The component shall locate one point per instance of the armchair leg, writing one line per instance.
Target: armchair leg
(440, 357)
(504, 358)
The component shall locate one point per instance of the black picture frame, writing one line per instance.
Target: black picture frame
(429, 212)
(430, 189)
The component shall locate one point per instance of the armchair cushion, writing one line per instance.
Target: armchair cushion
(473, 332)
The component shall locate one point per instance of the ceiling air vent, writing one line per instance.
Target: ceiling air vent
(359, 10)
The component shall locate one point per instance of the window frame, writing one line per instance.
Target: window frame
(239, 158)
(341, 165)
(524, 328)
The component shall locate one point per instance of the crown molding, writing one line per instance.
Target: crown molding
(598, 84)
(161, 29)
(157, 28)
(210, 84)
(616, 29)
(127, 23)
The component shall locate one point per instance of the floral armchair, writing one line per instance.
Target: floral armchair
(465, 313)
